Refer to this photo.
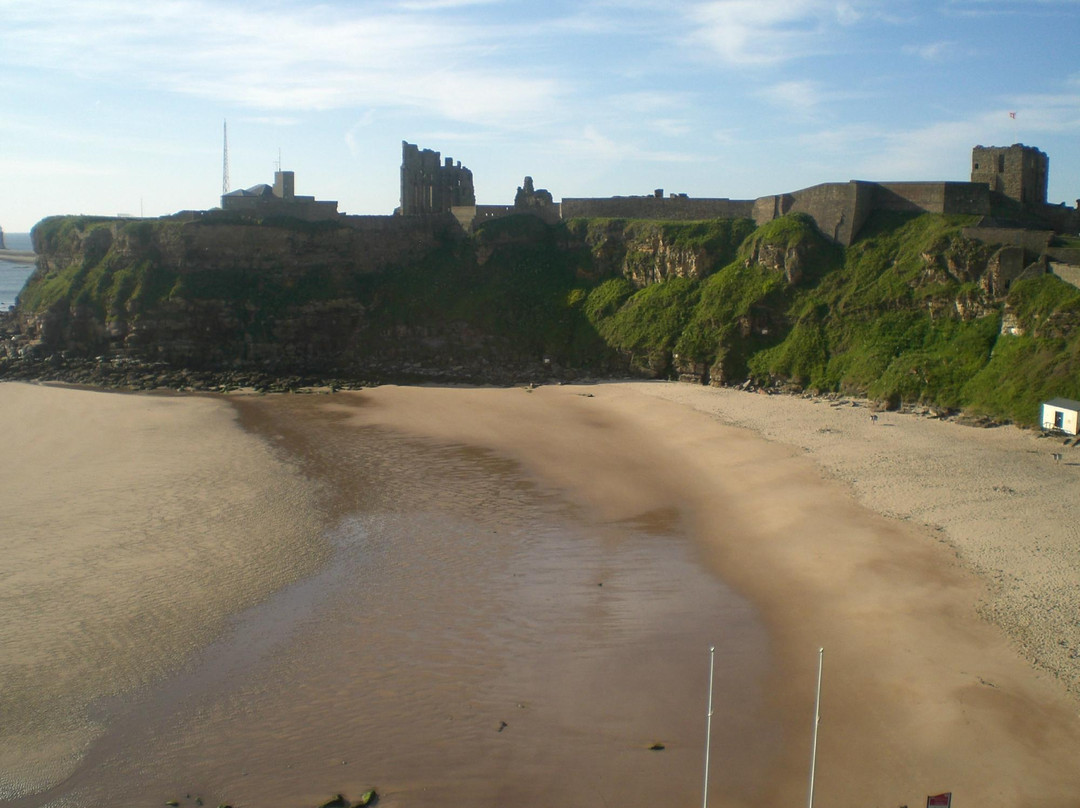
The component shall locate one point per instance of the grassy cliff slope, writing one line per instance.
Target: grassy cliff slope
(911, 313)
(908, 314)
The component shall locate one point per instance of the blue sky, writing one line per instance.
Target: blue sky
(111, 106)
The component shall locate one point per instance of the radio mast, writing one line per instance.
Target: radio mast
(225, 160)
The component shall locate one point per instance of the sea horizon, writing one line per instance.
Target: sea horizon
(14, 274)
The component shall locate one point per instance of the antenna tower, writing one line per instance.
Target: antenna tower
(225, 160)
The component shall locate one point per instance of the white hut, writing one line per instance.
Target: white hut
(1061, 415)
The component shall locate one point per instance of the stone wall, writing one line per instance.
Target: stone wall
(415, 225)
(970, 198)
(1062, 218)
(832, 206)
(863, 205)
(1070, 273)
(470, 216)
(933, 197)
(306, 208)
(767, 208)
(1035, 241)
(672, 208)
(840, 209)
(910, 196)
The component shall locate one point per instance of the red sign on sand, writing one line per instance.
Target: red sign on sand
(940, 800)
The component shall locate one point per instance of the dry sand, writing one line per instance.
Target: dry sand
(131, 527)
(922, 694)
(997, 497)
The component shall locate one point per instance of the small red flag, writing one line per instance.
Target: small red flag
(940, 800)
(1012, 115)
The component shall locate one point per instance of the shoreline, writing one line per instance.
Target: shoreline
(813, 513)
(922, 694)
(18, 256)
(993, 493)
(134, 526)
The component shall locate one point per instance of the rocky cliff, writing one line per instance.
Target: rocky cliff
(648, 252)
(912, 312)
(376, 296)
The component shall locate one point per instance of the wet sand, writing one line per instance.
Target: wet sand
(922, 694)
(477, 526)
(131, 527)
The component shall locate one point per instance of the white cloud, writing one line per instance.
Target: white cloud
(933, 51)
(280, 58)
(794, 97)
(649, 101)
(44, 169)
(442, 5)
(671, 127)
(1049, 113)
(592, 145)
(759, 32)
(726, 137)
(940, 150)
(925, 152)
(271, 120)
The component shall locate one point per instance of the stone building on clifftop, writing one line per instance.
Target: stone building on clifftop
(280, 199)
(1007, 192)
(429, 185)
(1018, 172)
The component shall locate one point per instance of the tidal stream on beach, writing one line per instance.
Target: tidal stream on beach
(473, 638)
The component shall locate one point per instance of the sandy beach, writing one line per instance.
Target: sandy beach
(936, 565)
(928, 632)
(132, 527)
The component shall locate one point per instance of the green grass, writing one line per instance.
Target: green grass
(899, 316)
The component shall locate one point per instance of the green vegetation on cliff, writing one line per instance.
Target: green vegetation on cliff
(92, 274)
(900, 316)
(912, 312)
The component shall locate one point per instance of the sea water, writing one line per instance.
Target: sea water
(13, 275)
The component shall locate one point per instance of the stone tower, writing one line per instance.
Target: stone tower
(1018, 171)
(285, 185)
(428, 185)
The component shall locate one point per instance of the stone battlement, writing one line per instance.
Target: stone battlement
(1013, 176)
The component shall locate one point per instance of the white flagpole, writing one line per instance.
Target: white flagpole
(817, 720)
(708, 732)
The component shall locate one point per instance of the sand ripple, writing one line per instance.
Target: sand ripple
(132, 526)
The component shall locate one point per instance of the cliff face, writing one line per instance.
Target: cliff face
(912, 312)
(215, 242)
(647, 252)
(378, 295)
(385, 297)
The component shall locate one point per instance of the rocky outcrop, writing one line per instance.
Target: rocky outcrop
(792, 261)
(654, 261)
(652, 252)
(321, 300)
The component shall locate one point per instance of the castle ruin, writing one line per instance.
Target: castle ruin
(1007, 191)
(1006, 183)
(428, 185)
(1018, 172)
